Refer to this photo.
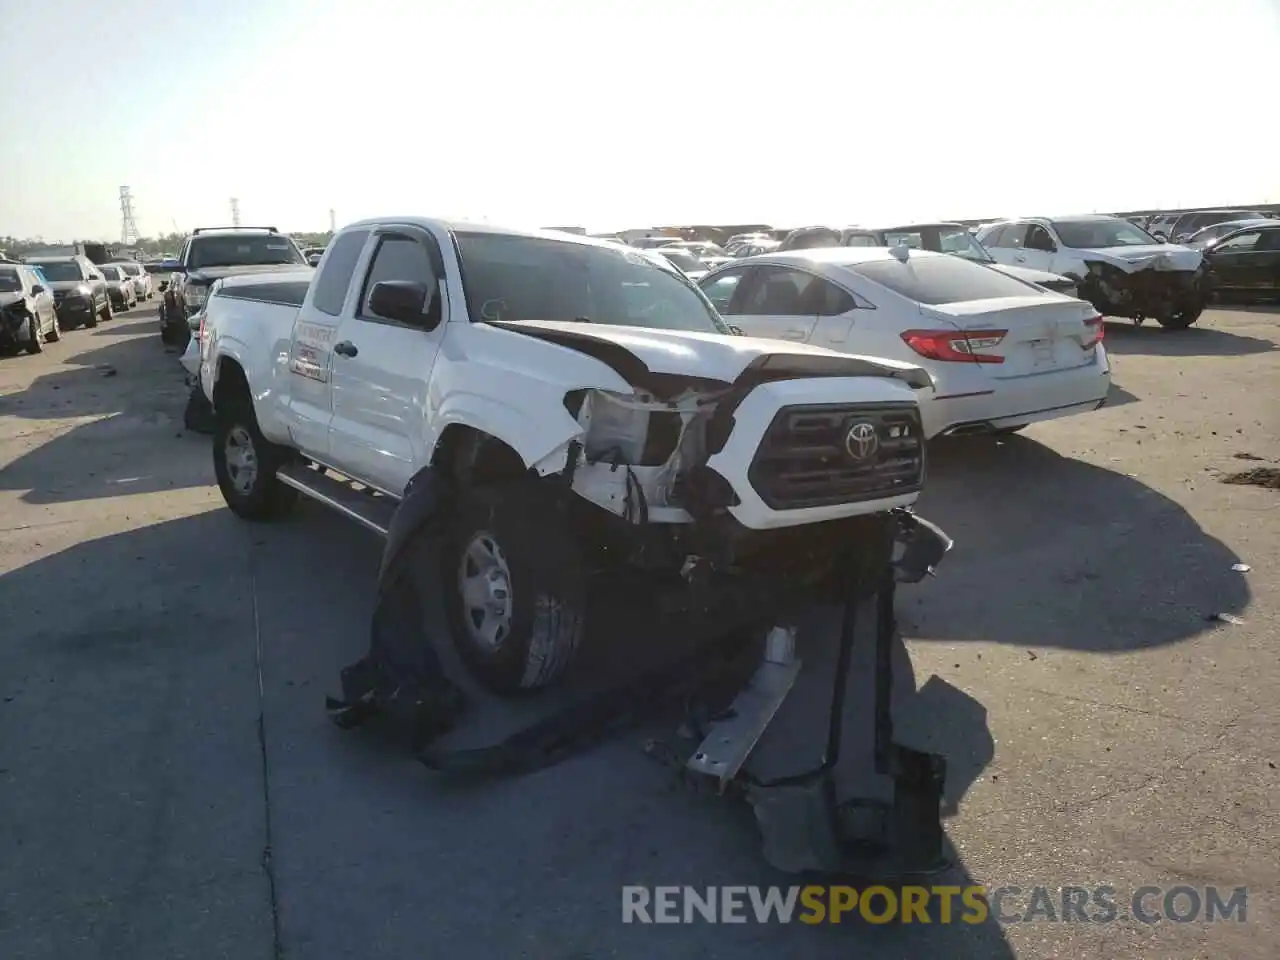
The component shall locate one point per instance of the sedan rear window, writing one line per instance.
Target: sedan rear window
(941, 279)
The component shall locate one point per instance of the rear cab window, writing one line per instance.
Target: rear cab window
(237, 250)
(941, 279)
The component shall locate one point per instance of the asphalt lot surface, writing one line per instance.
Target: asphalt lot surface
(170, 786)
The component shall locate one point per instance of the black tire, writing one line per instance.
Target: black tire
(55, 333)
(34, 343)
(263, 497)
(1181, 319)
(91, 321)
(107, 312)
(544, 590)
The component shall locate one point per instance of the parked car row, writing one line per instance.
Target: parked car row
(44, 295)
(1181, 227)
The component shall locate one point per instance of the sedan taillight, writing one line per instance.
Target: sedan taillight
(955, 345)
(1097, 330)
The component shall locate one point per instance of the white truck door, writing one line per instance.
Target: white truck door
(381, 367)
(307, 404)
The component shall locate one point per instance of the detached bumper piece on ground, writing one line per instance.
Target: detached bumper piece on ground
(805, 825)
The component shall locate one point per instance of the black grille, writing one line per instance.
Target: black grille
(804, 459)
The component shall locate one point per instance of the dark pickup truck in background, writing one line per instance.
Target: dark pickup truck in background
(212, 253)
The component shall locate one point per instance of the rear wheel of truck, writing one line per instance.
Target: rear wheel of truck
(514, 589)
(245, 463)
(55, 331)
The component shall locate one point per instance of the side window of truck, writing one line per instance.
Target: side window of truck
(398, 257)
(334, 280)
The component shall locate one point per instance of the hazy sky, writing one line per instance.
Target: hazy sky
(610, 114)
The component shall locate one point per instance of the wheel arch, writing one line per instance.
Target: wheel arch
(470, 455)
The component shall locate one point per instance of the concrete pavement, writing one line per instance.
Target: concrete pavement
(171, 788)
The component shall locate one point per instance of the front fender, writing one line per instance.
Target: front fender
(534, 437)
(512, 387)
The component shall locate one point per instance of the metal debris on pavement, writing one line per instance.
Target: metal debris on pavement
(1241, 567)
(1268, 477)
(1227, 618)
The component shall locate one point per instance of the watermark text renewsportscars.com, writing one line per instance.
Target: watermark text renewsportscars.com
(816, 904)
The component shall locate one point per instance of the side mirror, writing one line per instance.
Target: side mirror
(1161, 240)
(36, 290)
(406, 301)
(737, 331)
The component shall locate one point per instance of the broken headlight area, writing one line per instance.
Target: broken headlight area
(643, 458)
(13, 320)
(1144, 292)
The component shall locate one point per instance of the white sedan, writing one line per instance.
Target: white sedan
(1002, 352)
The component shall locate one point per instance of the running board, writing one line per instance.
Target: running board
(367, 507)
(731, 740)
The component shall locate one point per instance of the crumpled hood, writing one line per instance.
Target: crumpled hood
(1029, 275)
(1152, 256)
(710, 356)
(210, 274)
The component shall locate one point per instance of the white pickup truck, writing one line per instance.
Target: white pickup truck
(584, 402)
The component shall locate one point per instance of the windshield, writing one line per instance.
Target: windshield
(1209, 234)
(962, 243)
(1097, 234)
(111, 273)
(9, 281)
(242, 250)
(516, 279)
(704, 250)
(682, 259)
(60, 270)
(938, 280)
(130, 269)
(813, 240)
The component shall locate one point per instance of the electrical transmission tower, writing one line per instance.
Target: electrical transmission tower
(235, 212)
(128, 223)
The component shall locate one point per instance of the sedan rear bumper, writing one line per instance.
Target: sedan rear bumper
(981, 404)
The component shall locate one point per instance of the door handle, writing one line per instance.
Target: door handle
(345, 349)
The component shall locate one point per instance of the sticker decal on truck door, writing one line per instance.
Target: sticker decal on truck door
(311, 353)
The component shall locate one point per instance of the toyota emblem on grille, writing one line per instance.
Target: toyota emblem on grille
(862, 441)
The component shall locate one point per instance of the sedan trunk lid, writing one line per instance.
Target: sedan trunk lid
(1024, 336)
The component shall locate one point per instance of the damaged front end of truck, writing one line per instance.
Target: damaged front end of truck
(742, 478)
(1149, 288)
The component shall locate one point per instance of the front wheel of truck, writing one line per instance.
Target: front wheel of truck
(513, 587)
(245, 463)
(1181, 318)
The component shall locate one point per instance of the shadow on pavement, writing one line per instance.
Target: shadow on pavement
(131, 798)
(1196, 341)
(135, 444)
(355, 819)
(1118, 396)
(1053, 551)
(116, 378)
(132, 808)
